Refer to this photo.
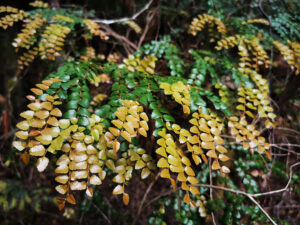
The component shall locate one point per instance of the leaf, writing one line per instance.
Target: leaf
(70, 198)
(165, 173)
(163, 163)
(145, 173)
(89, 192)
(61, 206)
(119, 189)
(215, 165)
(116, 145)
(126, 198)
(25, 158)
(42, 163)
(186, 198)
(126, 135)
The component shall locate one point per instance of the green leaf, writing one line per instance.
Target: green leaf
(83, 121)
(70, 114)
(84, 103)
(73, 104)
(84, 112)
(155, 114)
(168, 118)
(159, 123)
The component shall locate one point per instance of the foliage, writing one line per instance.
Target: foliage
(193, 116)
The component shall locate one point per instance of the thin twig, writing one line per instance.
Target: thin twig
(251, 196)
(144, 199)
(120, 20)
(102, 213)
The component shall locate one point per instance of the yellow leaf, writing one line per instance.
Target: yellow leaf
(196, 159)
(241, 107)
(117, 123)
(144, 116)
(192, 180)
(143, 132)
(114, 131)
(43, 114)
(212, 154)
(206, 137)
(56, 112)
(207, 145)
(194, 190)
(181, 177)
(139, 164)
(145, 173)
(165, 173)
(126, 135)
(223, 157)
(116, 145)
(216, 165)
(218, 140)
(189, 171)
(161, 151)
(162, 163)
(173, 161)
(119, 179)
(24, 125)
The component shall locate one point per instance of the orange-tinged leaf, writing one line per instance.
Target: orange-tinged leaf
(116, 145)
(89, 192)
(173, 182)
(204, 158)
(42, 86)
(126, 198)
(216, 165)
(114, 131)
(36, 91)
(71, 199)
(186, 198)
(47, 105)
(61, 206)
(25, 158)
(60, 200)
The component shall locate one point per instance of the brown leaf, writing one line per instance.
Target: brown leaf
(71, 199)
(61, 206)
(25, 158)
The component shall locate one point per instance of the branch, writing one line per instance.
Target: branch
(133, 17)
(251, 196)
